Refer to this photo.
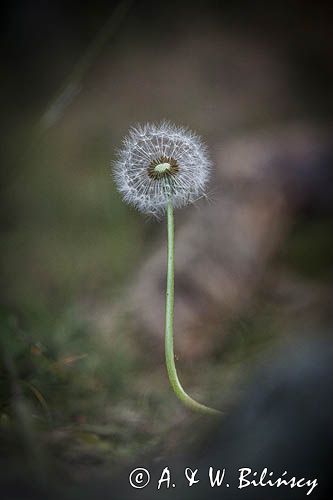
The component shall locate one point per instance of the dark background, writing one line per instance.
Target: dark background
(84, 394)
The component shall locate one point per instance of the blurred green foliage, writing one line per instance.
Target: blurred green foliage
(64, 374)
(71, 233)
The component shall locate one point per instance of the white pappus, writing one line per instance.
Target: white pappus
(159, 163)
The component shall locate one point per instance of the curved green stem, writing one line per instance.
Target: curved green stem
(169, 316)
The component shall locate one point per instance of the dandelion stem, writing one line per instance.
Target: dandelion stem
(169, 319)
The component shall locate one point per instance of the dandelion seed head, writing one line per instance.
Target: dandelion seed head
(161, 162)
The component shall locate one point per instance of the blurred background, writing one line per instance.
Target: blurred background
(84, 391)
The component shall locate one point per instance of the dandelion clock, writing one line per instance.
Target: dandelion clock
(158, 168)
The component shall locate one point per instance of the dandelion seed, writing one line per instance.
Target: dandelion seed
(161, 162)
